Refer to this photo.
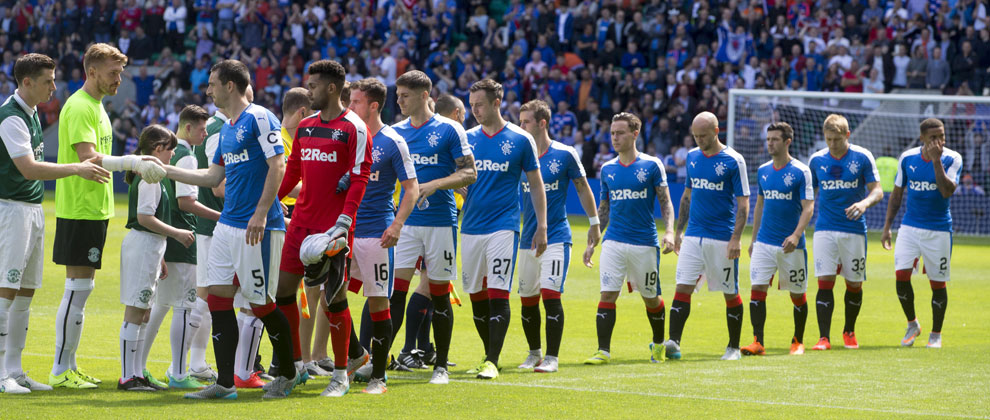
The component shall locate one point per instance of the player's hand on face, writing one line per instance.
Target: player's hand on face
(934, 149)
(885, 239)
(588, 253)
(594, 235)
(391, 236)
(255, 229)
(854, 211)
(667, 243)
(789, 245)
(734, 249)
(185, 237)
(678, 239)
(426, 189)
(88, 169)
(540, 241)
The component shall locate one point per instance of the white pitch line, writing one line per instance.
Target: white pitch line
(697, 397)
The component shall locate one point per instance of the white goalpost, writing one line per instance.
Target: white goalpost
(886, 124)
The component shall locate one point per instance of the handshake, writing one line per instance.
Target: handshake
(150, 169)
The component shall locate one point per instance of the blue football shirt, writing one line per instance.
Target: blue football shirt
(926, 208)
(631, 191)
(390, 162)
(433, 148)
(492, 202)
(841, 182)
(246, 143)
(782, 190)
(715, 182)
(558, 165)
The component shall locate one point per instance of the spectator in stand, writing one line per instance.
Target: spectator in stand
(969, 187)
(604, 155)
(938, 71)
(917, 70)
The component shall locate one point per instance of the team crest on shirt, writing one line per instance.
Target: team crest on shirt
(506, 147)
(376, 154)
(145, 295)
(554, 166)
(191, 295)
(433, 139)
(789, 179)
(239, 134)
(720, 169)
(641, 175)
(14, 275)
(853, 167)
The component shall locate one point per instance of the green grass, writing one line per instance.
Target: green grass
(879, 380)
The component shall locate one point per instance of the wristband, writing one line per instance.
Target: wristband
(593, 220)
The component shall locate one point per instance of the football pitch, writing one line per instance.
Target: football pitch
(879, 380)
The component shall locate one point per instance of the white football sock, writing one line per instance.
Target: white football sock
(201, 338)
(4, 313)
(179, 335)
(69, 323)
(247, 346)
(128, 349)
(150, 331)
(138, 362)
(20, 312)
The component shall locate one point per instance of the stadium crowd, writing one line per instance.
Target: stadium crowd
(663, 60)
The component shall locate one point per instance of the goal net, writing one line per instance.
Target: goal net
(886, 124)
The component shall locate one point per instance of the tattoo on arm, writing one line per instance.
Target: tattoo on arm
(684, 212)
(465, 167)
(666, 208)
(603, 209)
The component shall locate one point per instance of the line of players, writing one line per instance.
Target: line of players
(431, 156)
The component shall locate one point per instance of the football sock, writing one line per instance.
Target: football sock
(443, 321)
(397, 304)
(853, 300)
(825, 304)
(423, 339)
(530, 316)
(179, 335)
(382, 326)
(415, 315)
(366, 327)
(290, 309)
(604, 323)
(354, 348)
(733, 319)
(758, 313)
(150, 331)
(247, 345)
(279, 335)
(498, 324)
(940, 300)
(656, 317)
(69, 323)
(679, 312)
(197, 348)
(17, 327)
(225, 337)
(128, 349)
(555, 320)
(905, 293)
(340, 332)
(800, 316)
(139, 362)
(4, 332)
(481, 311)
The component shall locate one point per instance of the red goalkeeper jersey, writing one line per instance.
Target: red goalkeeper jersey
(322, 153)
